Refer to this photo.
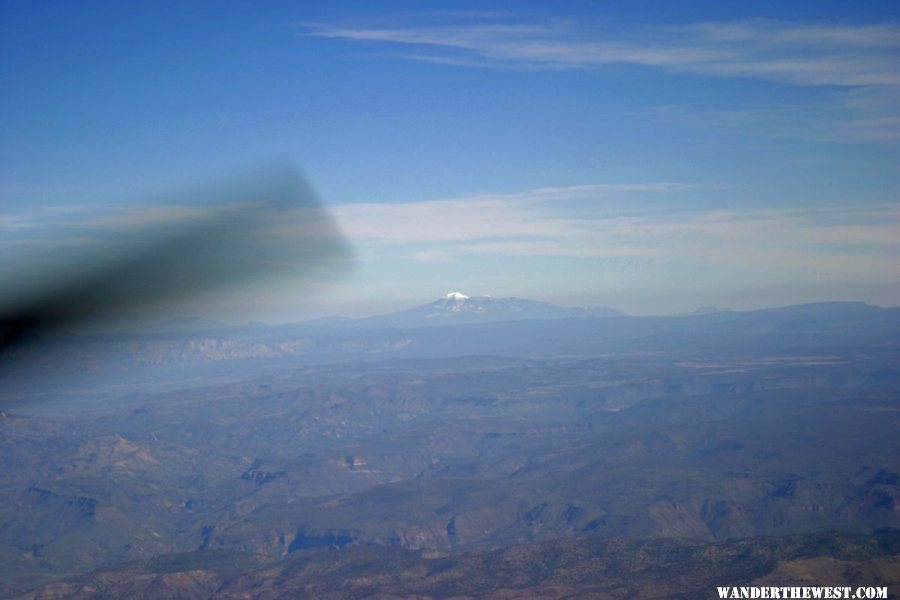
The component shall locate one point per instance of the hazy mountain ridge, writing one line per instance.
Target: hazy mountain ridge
(437, 330)
(457, 308)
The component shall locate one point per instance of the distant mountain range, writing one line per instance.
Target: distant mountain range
(458, 308)
(455, 308)
(458, 325)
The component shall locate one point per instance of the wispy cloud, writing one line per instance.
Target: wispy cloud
(503, 221)
(773, 33)
(858, 66)
(603, 225)
(838, 55)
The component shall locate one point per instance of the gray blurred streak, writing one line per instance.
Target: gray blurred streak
(177, 249)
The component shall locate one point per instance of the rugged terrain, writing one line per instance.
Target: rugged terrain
(593, 568)
(566, 447)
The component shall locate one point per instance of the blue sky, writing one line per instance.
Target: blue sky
(651, 156)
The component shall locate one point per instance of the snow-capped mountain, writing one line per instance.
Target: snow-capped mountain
(457, 307)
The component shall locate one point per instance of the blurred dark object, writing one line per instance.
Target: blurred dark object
(184, 246)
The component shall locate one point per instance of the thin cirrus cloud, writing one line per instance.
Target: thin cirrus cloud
(604, 223)
(541, 214)
(850, 62)
(799, 54)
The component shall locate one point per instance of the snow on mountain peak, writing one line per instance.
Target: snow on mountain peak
(456, 296)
